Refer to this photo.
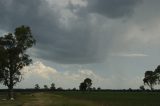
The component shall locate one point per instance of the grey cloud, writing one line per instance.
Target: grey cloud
(85, 40)
(108, 8)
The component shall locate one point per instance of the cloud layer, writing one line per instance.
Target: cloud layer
(45, 75)
(110, 8)
(67, 35)
(42, 74)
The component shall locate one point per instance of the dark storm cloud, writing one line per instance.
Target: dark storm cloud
(113, 8)
(109, 8)
(15, 12)
(81, 43)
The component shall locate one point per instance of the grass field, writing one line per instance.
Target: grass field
(70, 98)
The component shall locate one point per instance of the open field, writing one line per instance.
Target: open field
(71, 98)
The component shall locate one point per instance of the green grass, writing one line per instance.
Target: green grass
(71, 98)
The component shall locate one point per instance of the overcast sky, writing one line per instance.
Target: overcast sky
(113, 42)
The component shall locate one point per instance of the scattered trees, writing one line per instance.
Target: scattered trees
(13, 56)
(37, 86)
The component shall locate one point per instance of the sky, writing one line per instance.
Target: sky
(113, 42)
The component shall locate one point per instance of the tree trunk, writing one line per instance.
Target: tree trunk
(10, 93)
(151, 86)
(10, 88)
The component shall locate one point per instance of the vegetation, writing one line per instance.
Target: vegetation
(37, 86)
(52, 86)
(46, 87)
(13, 56)
(86, 84)
(74, 98)
(152, 78)
(142, 87)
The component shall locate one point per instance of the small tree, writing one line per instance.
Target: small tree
(142, 88)
(52, 86)
(74, 89)
(93, 88)
(13, 56)
(45, 87)
(37, 86)
(99, 88)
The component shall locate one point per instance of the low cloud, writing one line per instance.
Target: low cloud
(42, 74)
(113, 9)
(129, 55)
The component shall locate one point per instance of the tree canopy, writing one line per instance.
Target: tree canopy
(86, 84)
(53, 86)
(152, 78)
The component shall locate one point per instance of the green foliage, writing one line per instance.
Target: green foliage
(99, 88)
(45, 87)
(83, 86)
(84, 99)
(37, 86)
(157, 72)
(13, 55)
(53, 86)
(86, 84)
(150, 79)
(142, 87)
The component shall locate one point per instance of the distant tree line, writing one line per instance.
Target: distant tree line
(86, 85)
(52, 87)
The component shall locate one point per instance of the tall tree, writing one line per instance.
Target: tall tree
(13, 56)
(150, 79)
